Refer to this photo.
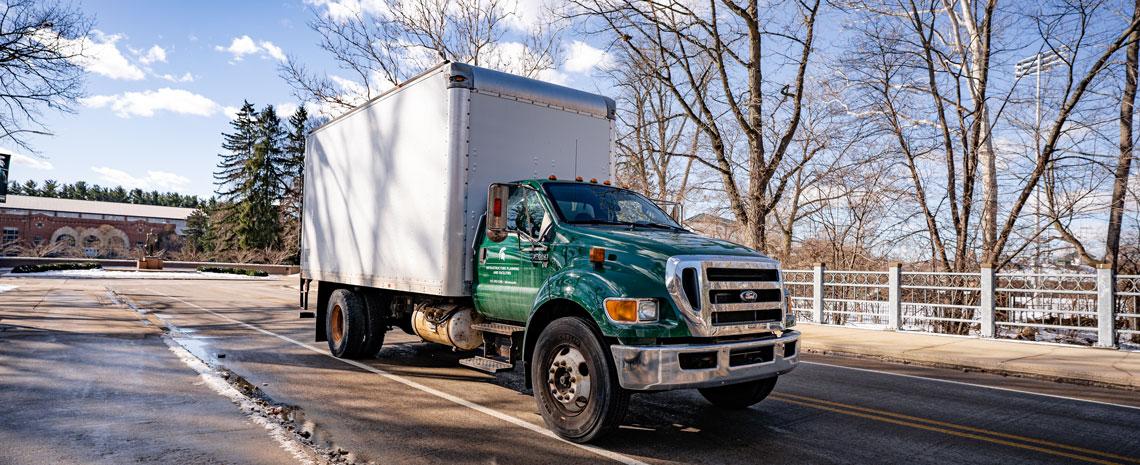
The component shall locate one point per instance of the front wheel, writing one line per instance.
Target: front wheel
(575, 385)
(739, 396)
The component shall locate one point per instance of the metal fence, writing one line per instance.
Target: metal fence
(1091, 309)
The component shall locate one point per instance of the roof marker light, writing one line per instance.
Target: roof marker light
(593, 180)
(552, 177)
(597, 254)
(579, 179)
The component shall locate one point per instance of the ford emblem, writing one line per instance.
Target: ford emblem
(748, 296)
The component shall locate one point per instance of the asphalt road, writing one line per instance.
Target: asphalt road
(415, 404)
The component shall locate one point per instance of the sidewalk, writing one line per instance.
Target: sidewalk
(1082, 365)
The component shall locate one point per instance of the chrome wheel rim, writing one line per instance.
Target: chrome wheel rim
(568, 379)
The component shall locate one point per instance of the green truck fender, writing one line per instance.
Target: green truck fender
(576, 292)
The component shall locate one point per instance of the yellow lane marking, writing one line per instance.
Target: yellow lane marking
(965, 428)
(887, 419)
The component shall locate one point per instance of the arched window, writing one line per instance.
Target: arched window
(67, 239)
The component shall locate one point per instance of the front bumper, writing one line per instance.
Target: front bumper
(655, 368)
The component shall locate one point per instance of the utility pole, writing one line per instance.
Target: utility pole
(1040, 61)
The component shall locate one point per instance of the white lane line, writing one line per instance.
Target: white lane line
(435, 392)
(963, 383)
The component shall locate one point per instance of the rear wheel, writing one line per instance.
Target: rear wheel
(739, 396)
(347, 324)
(575, 385)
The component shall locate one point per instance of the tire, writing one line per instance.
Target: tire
(346, 324)
(564, 343)
(739, 396)
(377, 305)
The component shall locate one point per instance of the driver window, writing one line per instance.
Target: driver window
(524, 211)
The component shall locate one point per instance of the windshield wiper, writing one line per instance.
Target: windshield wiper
(659, 226)
(617, 223)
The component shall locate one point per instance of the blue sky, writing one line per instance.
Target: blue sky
(164, 77)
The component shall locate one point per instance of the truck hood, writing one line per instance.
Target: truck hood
(660, 244)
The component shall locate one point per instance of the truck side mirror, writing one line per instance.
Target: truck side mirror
(497, 211)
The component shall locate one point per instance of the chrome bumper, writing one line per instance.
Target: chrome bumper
(653, 368)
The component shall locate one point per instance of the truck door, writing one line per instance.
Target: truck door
(511, 271)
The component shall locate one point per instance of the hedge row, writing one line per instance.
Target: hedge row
(56, 267)
(228, 270)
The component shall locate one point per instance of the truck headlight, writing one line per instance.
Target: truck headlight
(627, 310)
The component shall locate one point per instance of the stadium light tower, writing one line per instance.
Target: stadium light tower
(1036, 64)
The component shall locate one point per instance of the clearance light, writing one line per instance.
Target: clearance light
(597, 254)
(579, 179)
(625, 310)
(606, 182)
(593, 180)
(552, 177)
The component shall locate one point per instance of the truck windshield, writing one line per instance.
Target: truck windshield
(594, 204)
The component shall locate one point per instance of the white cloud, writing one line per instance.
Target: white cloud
(19, 159)
(583, 58)
(146, 103)
(554, 76)
(341, 10)
(230, 112)
(96, 53)
(153, 180)
(153, 54)
(245, 45)
(285, 110)
(187, 77)
(273, 51)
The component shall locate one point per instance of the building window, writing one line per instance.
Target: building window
(40, 224)
(10, 235)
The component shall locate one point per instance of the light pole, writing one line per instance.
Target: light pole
(1040, 61)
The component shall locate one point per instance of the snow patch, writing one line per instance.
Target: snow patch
(220, 386)
(7, 287)
(124, 274)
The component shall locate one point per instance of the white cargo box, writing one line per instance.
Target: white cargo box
(394, 189)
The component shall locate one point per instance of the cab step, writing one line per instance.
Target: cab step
(484, 364)
(498, 328)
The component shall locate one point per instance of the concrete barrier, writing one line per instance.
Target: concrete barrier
(9, 262)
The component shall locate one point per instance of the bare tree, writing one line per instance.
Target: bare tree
(39, 49)
(657, 143)
(732, 68)
(382, 44)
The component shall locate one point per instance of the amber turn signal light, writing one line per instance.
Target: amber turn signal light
(624, 310)
(597, 254)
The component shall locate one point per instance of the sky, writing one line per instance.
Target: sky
(165, 76)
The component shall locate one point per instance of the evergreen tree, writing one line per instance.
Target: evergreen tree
(250, 177)
(294, 167)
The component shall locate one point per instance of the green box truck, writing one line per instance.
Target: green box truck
(471, 208)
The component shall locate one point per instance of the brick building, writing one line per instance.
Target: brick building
(98, 229)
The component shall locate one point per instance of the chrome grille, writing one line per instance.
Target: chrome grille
(726, 295)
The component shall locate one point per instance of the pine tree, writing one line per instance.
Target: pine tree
(250, 178)
(294, 167)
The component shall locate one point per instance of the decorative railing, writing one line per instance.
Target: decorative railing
(1081, 309)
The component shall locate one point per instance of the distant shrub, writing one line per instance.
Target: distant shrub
(229, 270)
(56, 267)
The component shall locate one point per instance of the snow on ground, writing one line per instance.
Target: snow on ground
(6, 287)
(126, 274)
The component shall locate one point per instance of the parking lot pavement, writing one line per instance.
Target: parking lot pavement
(83, 380)
(414, 404)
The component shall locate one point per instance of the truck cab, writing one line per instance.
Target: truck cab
(672, 309)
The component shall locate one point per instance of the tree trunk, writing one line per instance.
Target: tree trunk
(1124, 163)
